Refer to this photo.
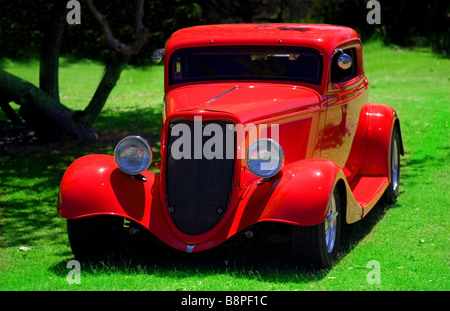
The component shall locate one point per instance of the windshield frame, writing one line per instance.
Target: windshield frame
(210, 62)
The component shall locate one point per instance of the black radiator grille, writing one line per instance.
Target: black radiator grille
(198, 190)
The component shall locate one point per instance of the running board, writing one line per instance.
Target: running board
(367, 191)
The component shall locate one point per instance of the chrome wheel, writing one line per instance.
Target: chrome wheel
(330, 225)
(395, 165)
(391, 194)
(318, 246)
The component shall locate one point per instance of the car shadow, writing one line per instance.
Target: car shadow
(254, 259)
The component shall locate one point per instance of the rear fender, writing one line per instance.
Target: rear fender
(381, 120)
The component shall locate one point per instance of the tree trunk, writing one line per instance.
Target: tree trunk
(49, 60)
(41, 107)
(109, 80)
(9, 112)
(46, 115)
(123, 54)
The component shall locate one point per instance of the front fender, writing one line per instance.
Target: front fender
(94, 185)
(298, 195)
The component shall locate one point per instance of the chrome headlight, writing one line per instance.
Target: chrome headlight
(264, 157)
(133, 155)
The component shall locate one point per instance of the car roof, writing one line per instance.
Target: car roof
(320, 36)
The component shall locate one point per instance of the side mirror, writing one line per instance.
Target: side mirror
(158, 56)
(344, 60)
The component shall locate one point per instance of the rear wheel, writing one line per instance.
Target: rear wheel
(391, 194)
(318, 246)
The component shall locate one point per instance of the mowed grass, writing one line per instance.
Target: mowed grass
(409, 240)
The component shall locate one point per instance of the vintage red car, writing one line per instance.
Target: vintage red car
(262, 123)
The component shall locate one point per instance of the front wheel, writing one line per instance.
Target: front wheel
(318, 246)
(90, 238)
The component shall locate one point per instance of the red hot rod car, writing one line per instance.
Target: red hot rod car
(261, 123)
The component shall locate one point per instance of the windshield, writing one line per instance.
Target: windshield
(245, 63)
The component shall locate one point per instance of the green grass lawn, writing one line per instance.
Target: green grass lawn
(409, 240)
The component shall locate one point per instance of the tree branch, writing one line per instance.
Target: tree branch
(139, 15)
(126, 50)
(45, 114)
(124, 53)
(142, 32)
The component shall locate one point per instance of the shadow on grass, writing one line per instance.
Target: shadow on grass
(31, 218)
(416, 166)
(29, 186)
(140, 121)
(35, 211)
(31, 171)
(256, 259)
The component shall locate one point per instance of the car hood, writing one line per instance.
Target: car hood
(248, 102)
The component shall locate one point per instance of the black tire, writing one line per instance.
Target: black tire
(90, 238)
(391, 193)
(310, 243)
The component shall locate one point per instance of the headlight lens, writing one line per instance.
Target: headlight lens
(264, 157)
(133, 155)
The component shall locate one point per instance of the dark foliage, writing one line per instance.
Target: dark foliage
(405, 23)
(22, 25)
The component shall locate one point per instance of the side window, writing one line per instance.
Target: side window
(338, 74)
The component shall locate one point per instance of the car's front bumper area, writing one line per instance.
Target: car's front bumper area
(298, 195)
